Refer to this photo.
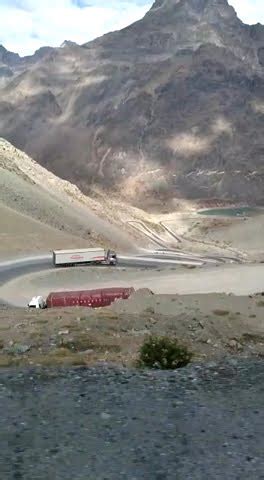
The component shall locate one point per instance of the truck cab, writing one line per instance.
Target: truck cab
(111, 257)
(37, 302)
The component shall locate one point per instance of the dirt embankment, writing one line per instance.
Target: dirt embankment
(212, 326)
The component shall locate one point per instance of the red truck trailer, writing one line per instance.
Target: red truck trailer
(84, 298)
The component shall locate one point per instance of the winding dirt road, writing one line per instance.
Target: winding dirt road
(162, 267)
(19, 282)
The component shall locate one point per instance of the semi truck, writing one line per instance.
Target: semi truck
(96, 256)
(102, 297)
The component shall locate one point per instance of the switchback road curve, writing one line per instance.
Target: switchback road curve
(22, 266)
(17, 276)
(16, 267)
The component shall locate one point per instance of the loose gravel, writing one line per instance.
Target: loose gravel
(107, 423)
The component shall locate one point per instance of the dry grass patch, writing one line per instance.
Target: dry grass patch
(54, 360)
(7, 361)
(84, 342)
(252, 338)
(221, 313)
(40, 322)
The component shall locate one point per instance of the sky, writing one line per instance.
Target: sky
(26, 25)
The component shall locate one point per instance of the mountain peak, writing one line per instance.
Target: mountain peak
(196, 4)
(173, 26)
(68, 43)
(8, 58)
(198, 7)
(212, 11)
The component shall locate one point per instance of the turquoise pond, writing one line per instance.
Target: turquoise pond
(232, 212)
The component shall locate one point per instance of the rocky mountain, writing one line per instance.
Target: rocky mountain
(169, 107)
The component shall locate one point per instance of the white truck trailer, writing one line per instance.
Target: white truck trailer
(96, 256)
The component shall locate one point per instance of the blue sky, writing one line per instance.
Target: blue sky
(26, 25)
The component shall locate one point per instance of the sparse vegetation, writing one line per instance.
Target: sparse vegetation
(72, 337)
(83, 343)
(79, 343)
(220, 312)
(163, 353)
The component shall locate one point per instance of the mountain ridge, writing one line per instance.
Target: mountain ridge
(169, 107)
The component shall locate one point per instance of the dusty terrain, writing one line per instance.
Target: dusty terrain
(244, 234)
(153, 112)
(218, 234)
(40, 212)
(20, 234)
(111, 423)
(212, 326)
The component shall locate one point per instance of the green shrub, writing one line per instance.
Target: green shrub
(163, 353)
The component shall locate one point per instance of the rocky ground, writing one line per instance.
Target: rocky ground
(74, 406)
(211, 326)
(205, 421)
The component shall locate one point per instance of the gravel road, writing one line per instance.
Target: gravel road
(108, 424)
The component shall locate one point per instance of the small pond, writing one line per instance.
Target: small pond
(232, 212)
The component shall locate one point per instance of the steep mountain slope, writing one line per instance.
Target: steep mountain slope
(40, 212)
(169, 107)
